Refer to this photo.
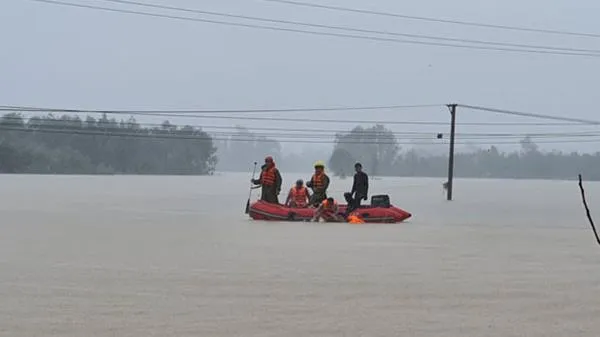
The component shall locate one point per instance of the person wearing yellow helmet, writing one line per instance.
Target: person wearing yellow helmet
(319, 163)
(318, 183)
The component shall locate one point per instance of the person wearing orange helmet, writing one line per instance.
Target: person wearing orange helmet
(270, 180)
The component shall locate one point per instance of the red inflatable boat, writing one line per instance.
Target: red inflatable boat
(377, 212)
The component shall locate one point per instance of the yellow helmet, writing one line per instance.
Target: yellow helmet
(319, 163)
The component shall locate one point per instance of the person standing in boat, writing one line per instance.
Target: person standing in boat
(360, 189)
(298, 197)
(319, 184)
(270, 180)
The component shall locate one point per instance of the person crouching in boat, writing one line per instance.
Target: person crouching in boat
(298, 197)
(319, 184)
(270, 180)
(328, 211)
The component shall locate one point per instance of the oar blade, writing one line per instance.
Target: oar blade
(248, 206)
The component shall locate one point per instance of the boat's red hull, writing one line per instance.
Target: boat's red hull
(261, 210)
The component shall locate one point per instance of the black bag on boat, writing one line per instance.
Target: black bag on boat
(380, 201)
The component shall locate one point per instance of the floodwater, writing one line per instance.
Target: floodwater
(176, 256)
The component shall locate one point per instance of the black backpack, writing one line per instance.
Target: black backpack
(380, 201)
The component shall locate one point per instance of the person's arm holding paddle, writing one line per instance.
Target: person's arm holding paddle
(251, 187)
(258, 181)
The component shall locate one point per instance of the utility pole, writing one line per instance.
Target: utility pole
(452, 108)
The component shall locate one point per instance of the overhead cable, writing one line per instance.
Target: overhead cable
(62, 124)
(280, 119)
(263, 140)
(348, 29)
(533, 115)
(350, 36)
(437, 20)
(228, 111)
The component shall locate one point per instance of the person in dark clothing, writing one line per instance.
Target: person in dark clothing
(270, 180)
(360, 189)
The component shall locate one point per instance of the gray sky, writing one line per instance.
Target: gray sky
(70, 57)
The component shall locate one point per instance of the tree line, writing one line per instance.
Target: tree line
(69, 145)
(378, 150)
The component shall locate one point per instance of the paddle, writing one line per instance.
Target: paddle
(250, 193)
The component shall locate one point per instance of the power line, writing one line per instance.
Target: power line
(295, 132)
(362, 37)
(306, 134)
(183, 137)
(534, 115)
(430, 19)
(227, 111)
(358, 138)
(364, 131)
(348, 135)
(281, 119)
(350, 29)
(259, 140)
(405, 134)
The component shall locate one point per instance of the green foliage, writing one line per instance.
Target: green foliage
(529, 163)
(341, 162)
(375, 147)
(69, 145)
(13, 160)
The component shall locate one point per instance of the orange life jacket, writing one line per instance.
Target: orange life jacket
(318, 181)
(328, 206)
(268, 176)
(353, 219)
(328, 209)
(299, 196)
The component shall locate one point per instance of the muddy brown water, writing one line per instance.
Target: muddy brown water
(176, 256)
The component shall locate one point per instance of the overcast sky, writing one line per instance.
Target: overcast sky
(80, 58)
